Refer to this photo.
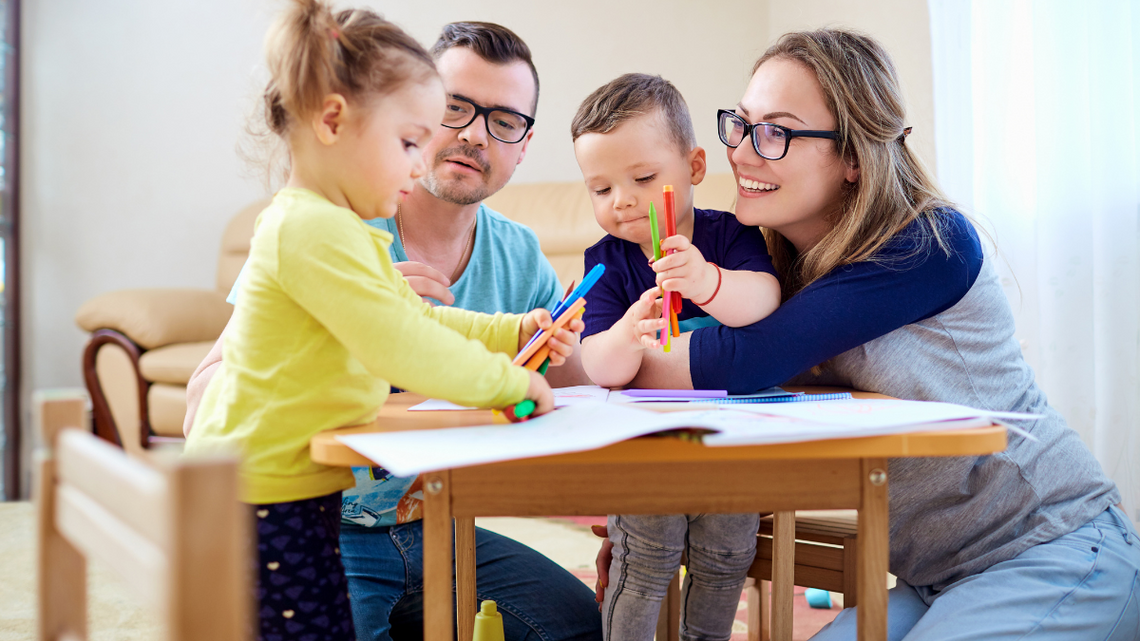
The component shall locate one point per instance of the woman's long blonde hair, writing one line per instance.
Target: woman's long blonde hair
(893, 189)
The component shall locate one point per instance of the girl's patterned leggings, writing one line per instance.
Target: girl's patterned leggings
(302, 592)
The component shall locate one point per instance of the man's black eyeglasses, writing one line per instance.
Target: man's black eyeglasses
(503, 124)
(770, 141)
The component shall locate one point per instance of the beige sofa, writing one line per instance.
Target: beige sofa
(146, 343)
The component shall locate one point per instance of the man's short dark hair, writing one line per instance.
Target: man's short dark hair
(494, 43)
(632, 95)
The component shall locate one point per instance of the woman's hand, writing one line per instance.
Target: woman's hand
(561, 343)
(426, 281)
(685, 271)
(602, 563)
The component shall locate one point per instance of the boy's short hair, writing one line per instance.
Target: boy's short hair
(632, 95)
(492, 42)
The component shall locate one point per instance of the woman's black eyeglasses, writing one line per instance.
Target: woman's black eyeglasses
(770, 141)
(503, 124)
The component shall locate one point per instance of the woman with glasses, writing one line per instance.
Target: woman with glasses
(886, 289)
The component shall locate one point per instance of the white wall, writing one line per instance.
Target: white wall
(903, 26)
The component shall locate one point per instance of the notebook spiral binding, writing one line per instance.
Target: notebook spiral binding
(799, 398)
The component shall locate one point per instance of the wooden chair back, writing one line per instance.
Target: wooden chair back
(175, 532)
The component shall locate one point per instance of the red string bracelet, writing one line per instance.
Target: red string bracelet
(715, 291)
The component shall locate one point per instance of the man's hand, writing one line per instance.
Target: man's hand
(602, 563)
(426, 281)
(561, 343)
(685, 271)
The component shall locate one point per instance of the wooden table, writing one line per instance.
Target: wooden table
(659, 475)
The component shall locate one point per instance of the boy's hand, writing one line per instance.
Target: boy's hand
(561, 343)
(644, 319)
(686, 271)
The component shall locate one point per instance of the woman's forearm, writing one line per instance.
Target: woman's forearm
(744, 298)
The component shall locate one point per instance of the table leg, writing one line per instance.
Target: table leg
(465, 576)
(783, 569)
(873, 551)
(438, 613)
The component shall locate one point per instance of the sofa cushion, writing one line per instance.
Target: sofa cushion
(173, 363)
(166, 405)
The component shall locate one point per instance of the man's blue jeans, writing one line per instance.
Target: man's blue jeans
(538, 599)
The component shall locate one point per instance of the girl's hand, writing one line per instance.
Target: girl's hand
(561, 343)
(686, 271)
(426, 281)
(644, 319)
(539, 391)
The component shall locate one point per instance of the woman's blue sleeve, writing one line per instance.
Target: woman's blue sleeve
(912, 279)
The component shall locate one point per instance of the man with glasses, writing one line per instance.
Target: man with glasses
(454, 250)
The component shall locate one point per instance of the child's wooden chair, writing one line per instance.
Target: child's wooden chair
(175, 533)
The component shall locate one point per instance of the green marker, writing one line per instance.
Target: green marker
(653, 230)
(542, 368)
(524, 409)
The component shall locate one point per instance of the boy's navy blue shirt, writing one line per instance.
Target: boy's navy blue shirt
(720, 238)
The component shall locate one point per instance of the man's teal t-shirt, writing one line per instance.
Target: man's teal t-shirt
(507, 273)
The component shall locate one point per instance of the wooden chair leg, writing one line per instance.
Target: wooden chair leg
(850, 574)
(758, 613)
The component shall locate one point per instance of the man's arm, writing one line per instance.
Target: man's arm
(196, 387)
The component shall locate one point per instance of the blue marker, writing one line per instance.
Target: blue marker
(580, 290)
(589, 281)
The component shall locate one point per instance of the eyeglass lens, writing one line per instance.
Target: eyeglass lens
(504, 125)
(769, 140)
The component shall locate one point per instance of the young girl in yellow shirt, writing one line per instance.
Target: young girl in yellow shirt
(324, 324)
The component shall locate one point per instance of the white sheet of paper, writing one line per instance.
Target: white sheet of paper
(590, 425)
(582, 426)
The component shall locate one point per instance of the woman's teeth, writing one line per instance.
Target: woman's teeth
(752, 185)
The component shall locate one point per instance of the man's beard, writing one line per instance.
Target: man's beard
(458, 192)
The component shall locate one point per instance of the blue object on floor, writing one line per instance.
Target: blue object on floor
(819, 599)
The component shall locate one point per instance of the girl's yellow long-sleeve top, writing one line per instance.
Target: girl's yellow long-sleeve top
(323, 326)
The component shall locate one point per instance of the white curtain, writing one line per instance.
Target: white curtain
(1037, 127)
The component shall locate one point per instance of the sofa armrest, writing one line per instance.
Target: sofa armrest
(156, 317)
